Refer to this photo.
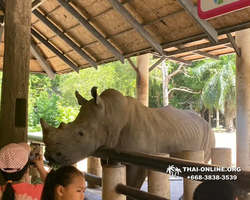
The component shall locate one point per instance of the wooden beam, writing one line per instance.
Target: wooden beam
(65, 38)
(136, 25)
(1, 33)
(230, 46)
(41, 60)
(91, 29)
(132, 64)
(206, 54)
(54, 50)
(205, 25)
(36, 4)
(234, 45)
(179, 60)
(197, 47)
(1, 20)
(157, 63)
(2, 5)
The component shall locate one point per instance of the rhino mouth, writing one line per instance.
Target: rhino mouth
(56, 158)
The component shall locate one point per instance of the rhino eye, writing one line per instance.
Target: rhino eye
(81, 134)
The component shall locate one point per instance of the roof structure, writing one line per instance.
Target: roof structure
(76, 34)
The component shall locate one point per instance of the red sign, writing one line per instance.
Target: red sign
(212, 8)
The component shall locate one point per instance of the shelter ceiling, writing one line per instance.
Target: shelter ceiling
(166, 21)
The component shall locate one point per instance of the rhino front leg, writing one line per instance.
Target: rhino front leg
(135, 177)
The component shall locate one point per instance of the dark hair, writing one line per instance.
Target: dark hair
(62, 176)
(215, 190)
(9, 193)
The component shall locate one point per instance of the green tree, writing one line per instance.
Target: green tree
(112, 75)
(43, 98)
(54, 100)
(219, 90)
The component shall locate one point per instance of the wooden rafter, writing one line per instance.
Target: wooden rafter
(65, 38)
(54, 50)
(1, 33)
(41, 60)
(132, 64)
(157, 63)
(91, 29)
(206, 54)
(234, 45)
(136, 25)
(205, 25)
(36, 4)
(179, 60)
(197, 47)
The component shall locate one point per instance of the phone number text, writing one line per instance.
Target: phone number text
(212, 177)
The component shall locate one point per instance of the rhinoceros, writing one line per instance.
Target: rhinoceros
(118, 121)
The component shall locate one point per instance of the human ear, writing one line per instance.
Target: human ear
(59, 190)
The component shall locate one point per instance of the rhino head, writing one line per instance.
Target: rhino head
(72, 142)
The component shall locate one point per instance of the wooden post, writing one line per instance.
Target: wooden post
(221, 156)
(15, 81)
(112, 176)
(243, 100)
(189, 185)
(142, 79)
(158, 182)
(94, 167)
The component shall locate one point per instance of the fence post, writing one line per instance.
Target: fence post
(113, 175)
(158, 182)
(221, 156)
(189, 185)
(94, 167)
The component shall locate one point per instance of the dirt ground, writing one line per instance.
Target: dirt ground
(224, 139)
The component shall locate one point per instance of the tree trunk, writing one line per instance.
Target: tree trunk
(202, 112)
(209, 118)
(229, 117)
(217, 118)
(165, 81)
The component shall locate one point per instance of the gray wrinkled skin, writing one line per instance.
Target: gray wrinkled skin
(115, 121)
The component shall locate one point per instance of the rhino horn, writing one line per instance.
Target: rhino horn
(80, 99)
(45, 125)
(62, 125)
(94, 94)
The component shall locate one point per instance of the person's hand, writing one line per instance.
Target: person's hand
(39, 161)
(39, 164)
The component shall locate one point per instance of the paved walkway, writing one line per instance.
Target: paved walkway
(176, 190)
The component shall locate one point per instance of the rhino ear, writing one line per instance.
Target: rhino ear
(94, 94)
(62, 125)
(80, 99)
(45, 125)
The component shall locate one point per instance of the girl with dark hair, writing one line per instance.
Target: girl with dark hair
(66, 183)
(14, 167)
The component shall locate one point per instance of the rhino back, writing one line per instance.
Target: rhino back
(165, 129)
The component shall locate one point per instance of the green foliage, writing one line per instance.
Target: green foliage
(44, 95)
(220, 85)
(111, 75)
(180, 99)
(155, 89)
(54, 100)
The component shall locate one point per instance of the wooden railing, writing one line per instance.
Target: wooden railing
(153, 162)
